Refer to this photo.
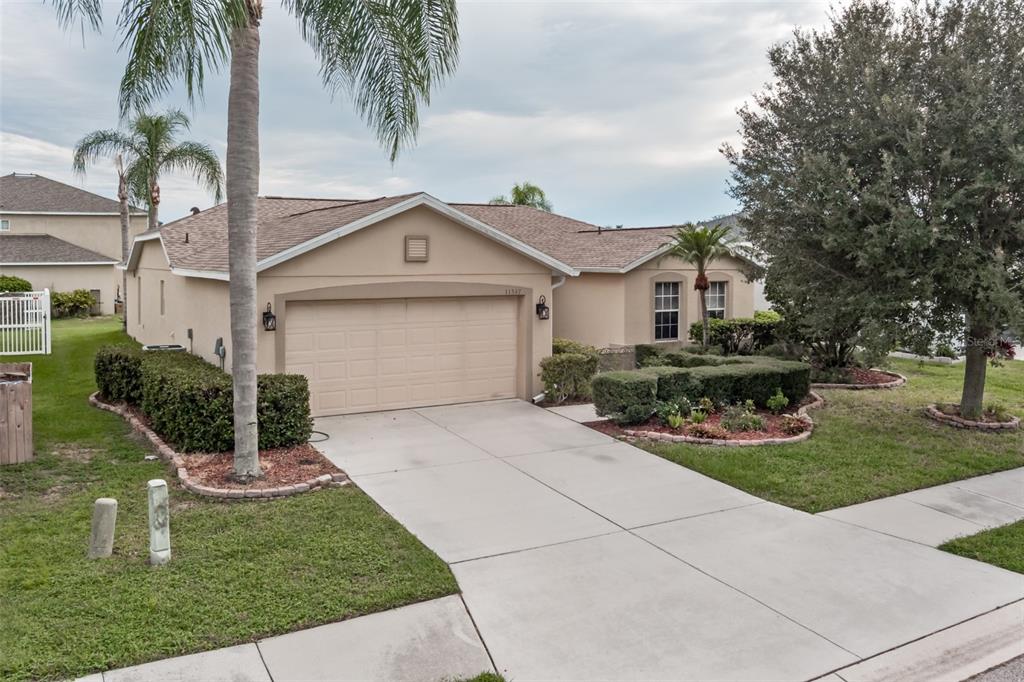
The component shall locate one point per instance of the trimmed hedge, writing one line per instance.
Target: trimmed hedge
(569, 346)
(751, 378)
(189, 402)
(626, 397)
(567, 375)
(118, 372)
(75, 303)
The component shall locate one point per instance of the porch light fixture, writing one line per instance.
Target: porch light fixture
(269, 319)
(543, 311)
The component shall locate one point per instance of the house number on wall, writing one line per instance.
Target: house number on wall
(513, 292)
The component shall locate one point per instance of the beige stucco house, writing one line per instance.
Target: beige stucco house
(405, 301)
(62, 238)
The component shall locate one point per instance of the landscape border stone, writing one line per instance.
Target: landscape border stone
(681, 438)
(895, 383)
(336, 480)
(955, 421)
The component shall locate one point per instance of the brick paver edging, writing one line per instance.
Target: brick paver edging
(169, 454)
(938, 415)
(898, 381)
(672, 438)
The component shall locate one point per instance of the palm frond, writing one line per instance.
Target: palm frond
(81, 12)
(136, 176)
(387, 54)
(102, 143)
(199, 161)
(169, 40)
(500, 200)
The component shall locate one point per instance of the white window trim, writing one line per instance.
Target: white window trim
(678, 310)
(725, 299)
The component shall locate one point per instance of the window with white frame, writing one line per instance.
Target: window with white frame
(715, 298)
(5, 225)
(666, 311)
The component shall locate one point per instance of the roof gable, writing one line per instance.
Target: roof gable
(30, 193)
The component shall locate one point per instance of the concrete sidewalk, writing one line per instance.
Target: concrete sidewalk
(932, 516)
(429, 641)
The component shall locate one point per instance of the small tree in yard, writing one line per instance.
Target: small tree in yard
(882, 176)
(699, 246)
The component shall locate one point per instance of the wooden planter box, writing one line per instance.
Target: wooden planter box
(15, 413)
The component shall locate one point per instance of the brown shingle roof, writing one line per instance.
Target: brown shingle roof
(44, 248)
(30, 193)
(287, 222)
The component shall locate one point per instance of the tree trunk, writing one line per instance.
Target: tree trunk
(122, 197)
(973, 396)
(243, 174)
(702, 301)
(154, 204)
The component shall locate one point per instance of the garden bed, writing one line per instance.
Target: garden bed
(950, 414)
(860, 379)
(775, 431)
(287, 471)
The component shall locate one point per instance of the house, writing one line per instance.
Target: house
(405, 301)
(61, 237)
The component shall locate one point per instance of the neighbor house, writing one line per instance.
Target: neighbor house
(62, 238)
(408, 301)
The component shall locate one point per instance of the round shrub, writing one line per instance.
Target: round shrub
(567, 376)
(12, 284)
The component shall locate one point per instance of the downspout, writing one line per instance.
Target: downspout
(554, 285)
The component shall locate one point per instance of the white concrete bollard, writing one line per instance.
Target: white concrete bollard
(159, 523)
(104, 520)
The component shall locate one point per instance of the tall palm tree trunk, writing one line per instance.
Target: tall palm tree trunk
(243, 173)
(122, 198)
(154, 204)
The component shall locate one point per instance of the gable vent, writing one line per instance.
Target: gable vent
(416, 249)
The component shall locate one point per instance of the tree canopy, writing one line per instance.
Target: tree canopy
(525, 194)
(881, 174)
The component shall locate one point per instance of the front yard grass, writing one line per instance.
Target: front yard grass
(1003, 546)
(870, 444)
(239, 571)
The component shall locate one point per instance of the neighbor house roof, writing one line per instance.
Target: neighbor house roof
(31, 193)
(44, 249)
(197, 244)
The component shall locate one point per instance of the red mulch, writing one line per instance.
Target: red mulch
(868, 377)
(773, 427)
(281, 466)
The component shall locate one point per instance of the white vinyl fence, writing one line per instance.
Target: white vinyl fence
(25, 323)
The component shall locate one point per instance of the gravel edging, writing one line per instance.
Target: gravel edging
(898, 381)
(800, 413)
(953, 420)
(167, 453)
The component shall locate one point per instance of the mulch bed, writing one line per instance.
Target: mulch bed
(867, 377)
(281, 467)
(773, 427)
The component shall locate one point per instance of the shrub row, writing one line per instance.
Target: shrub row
(630, 397)
(12, 284)
(740, 334)
(189, 402)
(75, 303)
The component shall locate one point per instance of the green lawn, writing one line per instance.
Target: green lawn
(1003, 547)
(239, 571)
(871, 444)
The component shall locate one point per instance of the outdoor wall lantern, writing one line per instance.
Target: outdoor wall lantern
(269, 319)
(543, 311)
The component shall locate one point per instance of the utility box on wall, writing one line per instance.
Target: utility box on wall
(16, 413)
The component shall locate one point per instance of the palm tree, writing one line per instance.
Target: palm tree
(388, 55)
(525, 194)
(149, 146)
(699, 246)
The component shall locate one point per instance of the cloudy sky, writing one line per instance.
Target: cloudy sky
(616, 109)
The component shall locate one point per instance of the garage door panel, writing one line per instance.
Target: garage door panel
(375, 355)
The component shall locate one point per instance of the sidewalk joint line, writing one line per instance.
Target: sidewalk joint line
(479, 634)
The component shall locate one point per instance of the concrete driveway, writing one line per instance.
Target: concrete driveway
(581, 557)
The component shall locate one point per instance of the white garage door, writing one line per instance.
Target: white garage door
(388, 354)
